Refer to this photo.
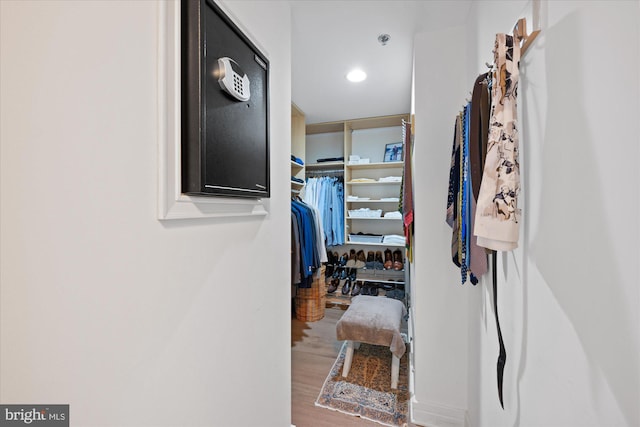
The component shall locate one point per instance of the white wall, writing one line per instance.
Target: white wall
(568, 297)
(130, 320)
(439, 302)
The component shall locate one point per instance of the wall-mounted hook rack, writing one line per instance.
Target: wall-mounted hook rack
(520, 32)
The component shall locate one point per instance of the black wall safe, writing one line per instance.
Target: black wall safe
(225, 106)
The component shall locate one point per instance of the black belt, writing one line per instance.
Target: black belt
(502, 357)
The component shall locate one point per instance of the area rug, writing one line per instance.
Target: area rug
(366, 392)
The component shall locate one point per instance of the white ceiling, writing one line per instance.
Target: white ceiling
(331, 37)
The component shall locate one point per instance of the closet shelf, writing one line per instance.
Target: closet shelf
(299, 184)
(373, 201)
(380, 165)
(296, 165)
(324, 165)
(375, 218)
(389, 245)
(373, 183)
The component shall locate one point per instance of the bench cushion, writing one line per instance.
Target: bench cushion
(373, 320)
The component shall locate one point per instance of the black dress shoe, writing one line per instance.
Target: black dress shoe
(333, 286)
(346, 287)
(356, 289)
(364, 290)
(373, 291)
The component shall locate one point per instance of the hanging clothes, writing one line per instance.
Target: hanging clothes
(326, 194)
(305, 257)
(497, 212)
(406, 205)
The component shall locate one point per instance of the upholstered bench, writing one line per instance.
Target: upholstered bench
(373, 320)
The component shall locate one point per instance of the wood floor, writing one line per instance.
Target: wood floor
(314, 349)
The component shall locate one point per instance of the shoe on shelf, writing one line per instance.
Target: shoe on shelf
(356, 289)
(397, 260)
(378, 263)
(364, 289)
(343, 259)
(373, 290)
(346, 288)
(333, 286)
(388, 260)
(370, 261)
(353, 273)
(370, 256)
(328, 272)
(360, 260)
(352, 258)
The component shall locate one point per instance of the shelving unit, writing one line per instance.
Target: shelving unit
(366, 138)
(297, 146)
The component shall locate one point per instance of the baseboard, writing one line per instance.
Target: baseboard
(431, 414)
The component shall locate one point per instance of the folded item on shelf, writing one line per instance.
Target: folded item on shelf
(359, 161)
(356, 198)
(365, 213)
(365, 238)
(390, 199)
(298, 160)
(393, 239)
(301, 181)
(331, 159)
(391, 179)
(393, 215)
(363, 180)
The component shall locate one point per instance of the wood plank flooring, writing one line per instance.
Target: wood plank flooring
(314, 349)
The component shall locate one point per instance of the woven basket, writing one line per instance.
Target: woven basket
(310, 302)
(310, 309)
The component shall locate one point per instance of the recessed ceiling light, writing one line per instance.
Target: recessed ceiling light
(356, 75)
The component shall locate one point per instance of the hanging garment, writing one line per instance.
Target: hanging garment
(407, 189)
(497, 213)
(478, 136)
(454, 191)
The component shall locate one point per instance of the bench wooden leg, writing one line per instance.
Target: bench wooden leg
(348, 357)
(395, 370)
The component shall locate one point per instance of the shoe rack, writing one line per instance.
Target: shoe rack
(354, 274)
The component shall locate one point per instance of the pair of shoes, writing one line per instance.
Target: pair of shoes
(388, 260)
(395, 294)
(398, 263)
(378, 264)
(352, 258)
(369, 289)
(331, 262)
